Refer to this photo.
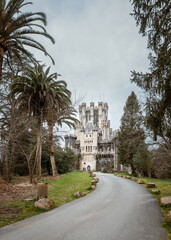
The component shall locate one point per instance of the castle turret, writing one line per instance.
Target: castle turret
(95, 140)
(100, 117)
(92, 112)
(83, 114)
(70, 141)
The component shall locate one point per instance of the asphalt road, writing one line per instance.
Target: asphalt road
(119, 209)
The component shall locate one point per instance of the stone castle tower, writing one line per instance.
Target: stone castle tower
(94, 139)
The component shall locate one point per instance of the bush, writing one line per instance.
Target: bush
(161, 166)
(141, 160)
(65, 160)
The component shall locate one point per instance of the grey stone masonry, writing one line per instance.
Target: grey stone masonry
(94, 140)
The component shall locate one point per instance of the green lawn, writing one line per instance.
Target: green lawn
(61, 191)
(165, 190)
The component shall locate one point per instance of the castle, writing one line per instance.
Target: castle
(94, 140)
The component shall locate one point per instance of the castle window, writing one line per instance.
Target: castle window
(86, 148)
(86, 135)
(90, 135)
(89, 148)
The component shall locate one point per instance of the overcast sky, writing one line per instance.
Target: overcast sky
(97, 46)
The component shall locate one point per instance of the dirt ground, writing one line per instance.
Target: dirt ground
(19, 188)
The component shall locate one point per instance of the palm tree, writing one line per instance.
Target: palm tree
(33, 91)
(56, 100)
(68, 116)
(62, 113)
(15, 28)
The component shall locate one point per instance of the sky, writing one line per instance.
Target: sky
(97, 46)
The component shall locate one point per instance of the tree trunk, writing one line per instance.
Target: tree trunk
(51, 149)
(31, 177)
(132, 169)
(39, 149)
(6, 163)
(1, 62)
(149, 168)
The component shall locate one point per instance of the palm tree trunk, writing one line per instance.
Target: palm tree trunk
(39, 149)
(1, 62)
(51, 149)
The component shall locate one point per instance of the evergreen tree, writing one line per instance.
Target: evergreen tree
(153, 18)
(131, 134)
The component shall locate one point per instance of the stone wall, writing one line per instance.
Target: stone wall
(94, 137)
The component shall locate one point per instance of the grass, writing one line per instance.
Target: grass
(61, 191)
(20, 210)
(164, 186)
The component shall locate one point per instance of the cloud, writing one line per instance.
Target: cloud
(97, 46)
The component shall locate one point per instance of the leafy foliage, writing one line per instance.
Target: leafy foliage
(161, 162)
(65, 160)
(68, 161)
(141, 159)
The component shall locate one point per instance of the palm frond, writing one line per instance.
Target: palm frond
(24, 19)
(30, 31)
(2, 5)
(12, 8)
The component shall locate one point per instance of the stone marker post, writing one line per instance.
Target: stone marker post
(42, 190)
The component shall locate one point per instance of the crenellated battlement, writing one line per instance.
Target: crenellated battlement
(93, 113)
(94, 136)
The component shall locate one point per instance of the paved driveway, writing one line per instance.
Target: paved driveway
(119, 209)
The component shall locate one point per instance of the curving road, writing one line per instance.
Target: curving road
(119, 209)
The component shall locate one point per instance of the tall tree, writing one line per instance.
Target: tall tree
(153, 18)
(16, 29)
(131, 134)
(38, 94)
(10, 119)
(58, 101)
(31, 90)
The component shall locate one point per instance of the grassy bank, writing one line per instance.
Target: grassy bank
(164, 186)
(60, 190)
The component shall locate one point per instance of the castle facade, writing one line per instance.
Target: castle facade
(94, 140)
